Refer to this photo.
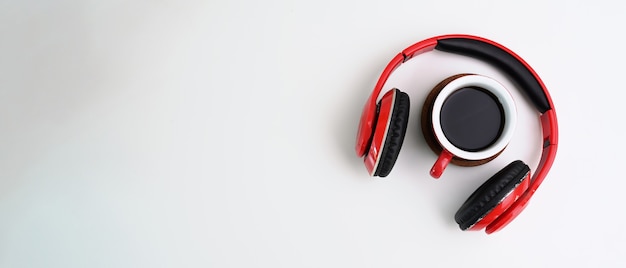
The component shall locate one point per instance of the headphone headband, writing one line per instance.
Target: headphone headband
(509, 62)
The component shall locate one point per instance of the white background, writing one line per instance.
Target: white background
(221, 134)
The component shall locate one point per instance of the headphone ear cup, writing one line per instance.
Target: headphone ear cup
(392, 128)
(475, 213)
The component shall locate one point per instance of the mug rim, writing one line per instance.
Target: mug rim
(502, 95)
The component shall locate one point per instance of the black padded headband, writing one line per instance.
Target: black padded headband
(502, 59)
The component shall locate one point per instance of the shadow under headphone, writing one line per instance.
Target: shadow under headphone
(503, 196)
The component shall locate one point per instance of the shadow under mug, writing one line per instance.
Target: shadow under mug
(468, 120)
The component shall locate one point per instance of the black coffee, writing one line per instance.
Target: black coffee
(472, 119)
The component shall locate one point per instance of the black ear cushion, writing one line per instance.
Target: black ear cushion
(488, 195)
(395, 134)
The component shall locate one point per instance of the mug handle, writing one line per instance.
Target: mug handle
(441, 164)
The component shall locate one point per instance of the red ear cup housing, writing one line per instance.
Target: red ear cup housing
(366, 128)
(388, 134)
(494, 197)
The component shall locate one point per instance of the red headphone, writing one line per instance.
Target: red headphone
(503, 196)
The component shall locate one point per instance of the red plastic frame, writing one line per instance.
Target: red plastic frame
(503, 214)
(380, 134)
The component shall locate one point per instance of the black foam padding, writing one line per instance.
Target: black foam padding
(504, 61)
(488, 195)
(395, 134)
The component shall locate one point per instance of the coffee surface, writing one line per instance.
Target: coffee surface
(472, 119)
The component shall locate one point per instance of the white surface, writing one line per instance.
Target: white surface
(504, 98)
(221, 134)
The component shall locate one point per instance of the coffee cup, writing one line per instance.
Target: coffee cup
(467, 120)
